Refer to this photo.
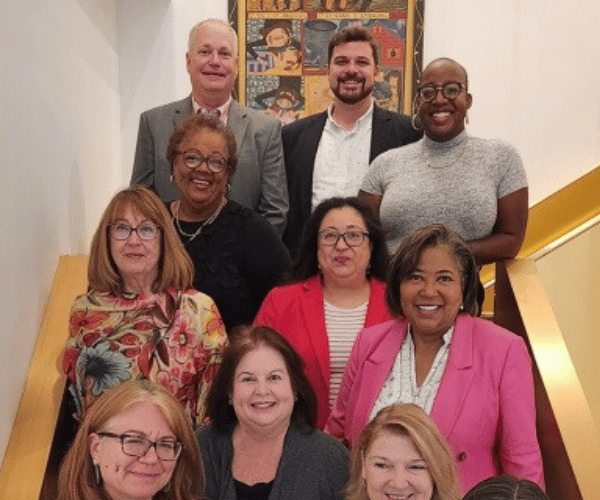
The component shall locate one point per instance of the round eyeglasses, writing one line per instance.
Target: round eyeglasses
(137, 446)
(193, 159)
(146, 231)
(450, 91)
(351, 238)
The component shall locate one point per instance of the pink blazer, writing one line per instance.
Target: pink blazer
(484, 405)
(296, 311)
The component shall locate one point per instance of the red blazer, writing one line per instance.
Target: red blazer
(484, 406)
(296, 311)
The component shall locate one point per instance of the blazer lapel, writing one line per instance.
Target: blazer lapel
(237, 121)
(182, 110)
(457, 378)
(379, 364)
(314, 317)
(379, 133)
(311, 136)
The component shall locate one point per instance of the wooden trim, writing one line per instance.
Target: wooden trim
(26, 456)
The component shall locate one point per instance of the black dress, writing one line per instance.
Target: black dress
(238, 259)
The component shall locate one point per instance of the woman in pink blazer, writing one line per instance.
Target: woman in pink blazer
(473, 377)
(342, 262)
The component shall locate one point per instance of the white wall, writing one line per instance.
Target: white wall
(60, 158)
(534, 72)
(153, 41)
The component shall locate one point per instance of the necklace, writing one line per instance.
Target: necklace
(445, 165)
(207, 222)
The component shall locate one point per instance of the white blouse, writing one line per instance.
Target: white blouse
(401, 384)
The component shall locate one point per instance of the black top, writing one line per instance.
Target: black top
(238, 259)
(259, 491)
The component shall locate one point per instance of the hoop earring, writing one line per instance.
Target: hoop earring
(415, 120)
(467, 117)
(416, 123)
(171, 179)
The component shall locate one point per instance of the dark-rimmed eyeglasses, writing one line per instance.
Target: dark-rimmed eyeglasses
(450, 91)
(352, 238)
(146, 231)
(193, 159)
(138, 446)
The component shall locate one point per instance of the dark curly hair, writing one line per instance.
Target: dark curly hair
(196, 123)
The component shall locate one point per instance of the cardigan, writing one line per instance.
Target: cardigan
(485, 402)
(297, 312)
(313, 466)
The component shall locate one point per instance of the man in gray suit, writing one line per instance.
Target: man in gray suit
(212, 63)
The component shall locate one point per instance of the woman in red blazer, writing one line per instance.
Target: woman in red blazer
(473, 377)
(338, 277)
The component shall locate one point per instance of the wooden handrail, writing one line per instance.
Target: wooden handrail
(28, 449)
(569, 438)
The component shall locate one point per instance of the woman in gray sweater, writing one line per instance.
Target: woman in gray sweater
(262, 443)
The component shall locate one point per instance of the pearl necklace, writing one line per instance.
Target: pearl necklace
(445, 165)
(207, 222)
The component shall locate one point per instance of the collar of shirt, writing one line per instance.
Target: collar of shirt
(223, 110)
(360, 123)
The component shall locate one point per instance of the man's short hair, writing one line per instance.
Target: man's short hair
(353, 34)
(213, 22)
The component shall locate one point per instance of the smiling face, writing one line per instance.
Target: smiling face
(442, 118)
(342, 263)
(201, 189)
(393, 469)
(262, 395)
(432, 294)
(211, 62)
(125, 477)
(136, 259)
(352, 72)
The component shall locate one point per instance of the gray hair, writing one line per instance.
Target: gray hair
(214, 22)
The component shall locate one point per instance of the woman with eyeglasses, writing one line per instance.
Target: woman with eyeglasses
(141, 318)
(477, 187)
(236, 253)
(136, 442)
(336, 290)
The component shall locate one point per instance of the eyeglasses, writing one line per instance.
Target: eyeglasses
(146, 231)
(352, 238)
(450, 91)
(138, 446)
(193, 159)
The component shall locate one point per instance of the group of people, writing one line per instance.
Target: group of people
(196, 318)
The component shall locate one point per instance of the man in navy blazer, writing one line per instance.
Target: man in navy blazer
(212, 63)
(327, 154)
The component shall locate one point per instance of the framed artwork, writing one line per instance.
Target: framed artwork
(283, 51)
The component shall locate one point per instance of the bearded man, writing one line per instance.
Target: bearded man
(327, 154)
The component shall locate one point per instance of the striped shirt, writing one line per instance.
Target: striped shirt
(342, 327)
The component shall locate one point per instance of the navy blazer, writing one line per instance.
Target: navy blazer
(300, 142)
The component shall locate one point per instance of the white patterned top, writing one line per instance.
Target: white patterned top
(401, 384)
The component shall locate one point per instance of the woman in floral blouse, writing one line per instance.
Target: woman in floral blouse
(140, 318)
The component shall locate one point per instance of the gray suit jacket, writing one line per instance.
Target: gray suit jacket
(259, 181)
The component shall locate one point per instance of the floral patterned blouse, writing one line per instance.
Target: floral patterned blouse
(174, 338)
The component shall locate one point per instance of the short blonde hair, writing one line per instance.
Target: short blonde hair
(214, 22)
(77, 479)
(407, 420)
(175, 267)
